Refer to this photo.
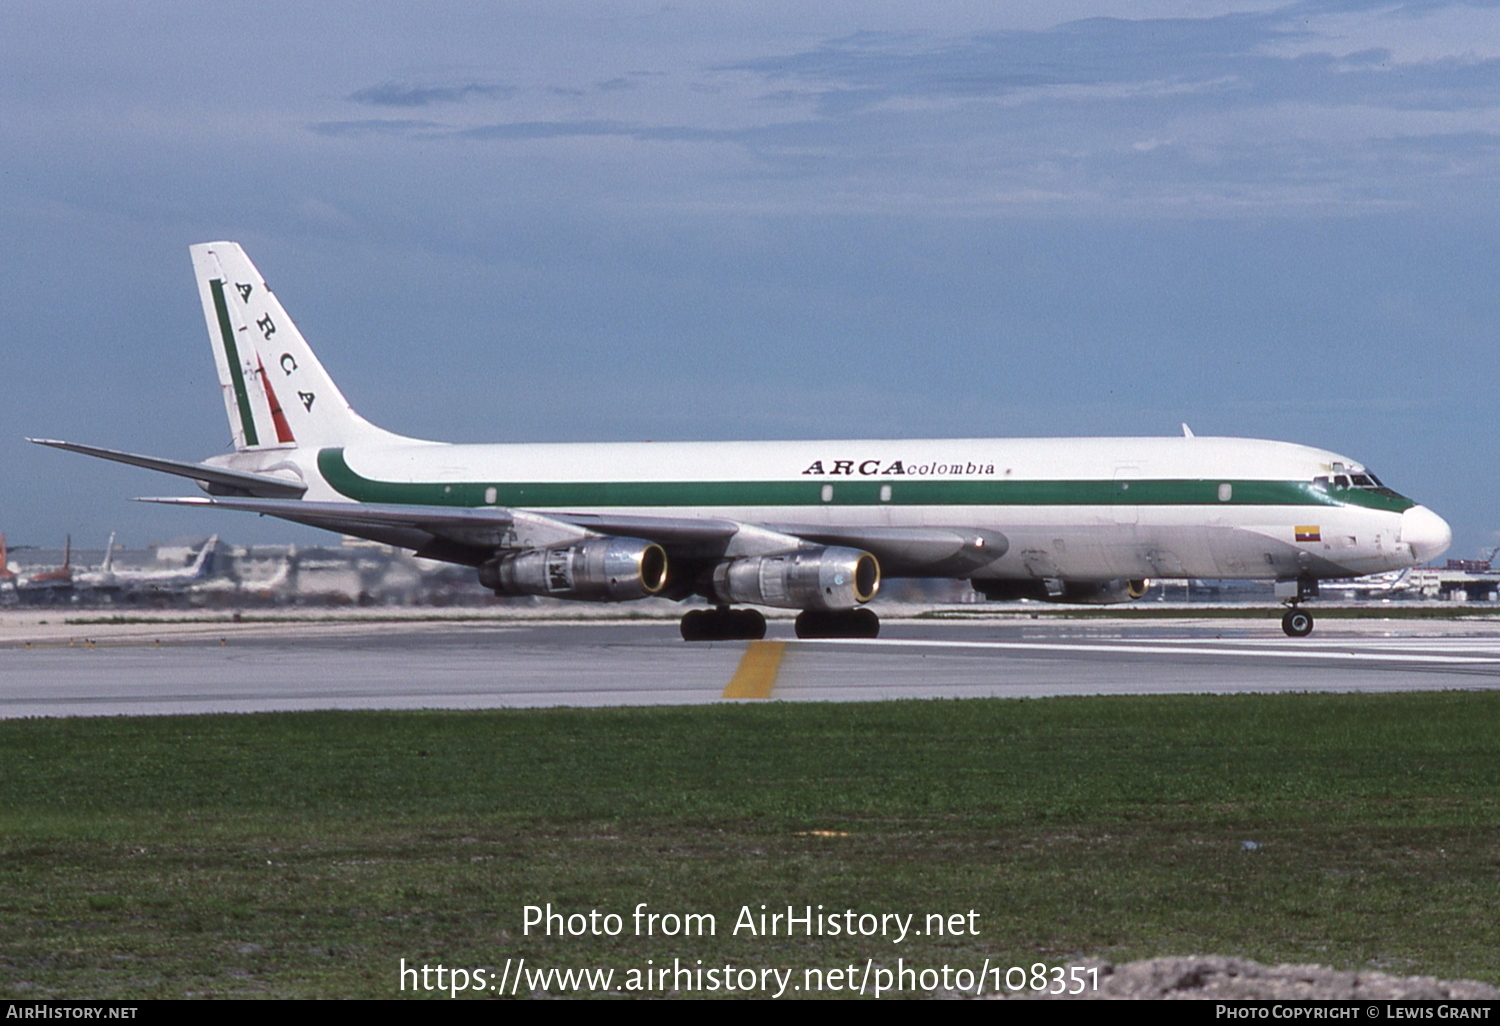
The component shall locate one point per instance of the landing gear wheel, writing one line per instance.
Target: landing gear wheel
(842, 623)
(693, 628)
(723, 625)
(748, 624)
(1298, 623)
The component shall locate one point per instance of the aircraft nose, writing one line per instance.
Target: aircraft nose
(1427, 533)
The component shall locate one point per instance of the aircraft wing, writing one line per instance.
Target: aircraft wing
(902, 551)
(913, 551)
(471, 535)
(682, 535)
(236, 481)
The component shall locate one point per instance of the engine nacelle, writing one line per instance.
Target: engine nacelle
(817, 578)
(1090, 593)
(593, 570)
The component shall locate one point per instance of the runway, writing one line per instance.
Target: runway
(151, 669)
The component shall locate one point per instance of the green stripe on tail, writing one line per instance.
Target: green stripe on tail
(236, 374)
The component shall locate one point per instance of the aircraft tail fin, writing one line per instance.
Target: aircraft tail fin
(201, 562)
(276, 392)
(109, 554)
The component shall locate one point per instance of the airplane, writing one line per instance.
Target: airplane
(1392, 582)
(107, 578)
(810, 525)
(62, 577)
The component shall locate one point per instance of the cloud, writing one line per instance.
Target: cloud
(399, 94)
(1267, 55)
(573, 129)
(544, 130)
(1093, 51)
(375, 127)
(1306, 108)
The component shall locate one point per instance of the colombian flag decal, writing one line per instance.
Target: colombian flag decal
(1308, 533)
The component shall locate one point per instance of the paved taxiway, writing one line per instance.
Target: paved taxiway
(148, 669)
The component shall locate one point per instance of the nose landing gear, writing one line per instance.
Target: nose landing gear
(1298, 623)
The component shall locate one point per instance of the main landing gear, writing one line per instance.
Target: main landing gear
(725, 624)
(840, 623)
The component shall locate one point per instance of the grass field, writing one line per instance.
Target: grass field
(306, 854)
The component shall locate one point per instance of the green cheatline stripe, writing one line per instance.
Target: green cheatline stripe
(237, 376)
(850, 492)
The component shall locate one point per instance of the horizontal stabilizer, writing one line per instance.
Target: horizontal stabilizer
(355, 512)
(490, 527)
(253, 484)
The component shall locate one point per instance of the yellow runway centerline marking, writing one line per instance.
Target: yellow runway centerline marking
(756, 675)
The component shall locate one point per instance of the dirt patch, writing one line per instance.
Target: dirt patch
(1216, 978)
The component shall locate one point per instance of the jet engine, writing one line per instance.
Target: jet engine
(1091, 593)
(831, 577)
(593, 570)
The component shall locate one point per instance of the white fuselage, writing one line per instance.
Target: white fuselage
(1200, 506)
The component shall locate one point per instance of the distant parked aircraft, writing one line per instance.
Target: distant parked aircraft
(62, 577)
(1392, 582)
(108, 578)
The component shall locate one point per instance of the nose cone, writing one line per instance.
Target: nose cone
(1427, 533)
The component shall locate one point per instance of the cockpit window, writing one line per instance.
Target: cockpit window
(1326, 482)
(1363, 480)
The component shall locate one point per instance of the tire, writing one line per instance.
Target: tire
(693, 627)
(723, 625)
(749, 625)
(812, 624)
(1297, 623)
(844, 623)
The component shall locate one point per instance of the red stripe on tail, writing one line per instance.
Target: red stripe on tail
(283, 429)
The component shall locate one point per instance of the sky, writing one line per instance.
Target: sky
(569, 221)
